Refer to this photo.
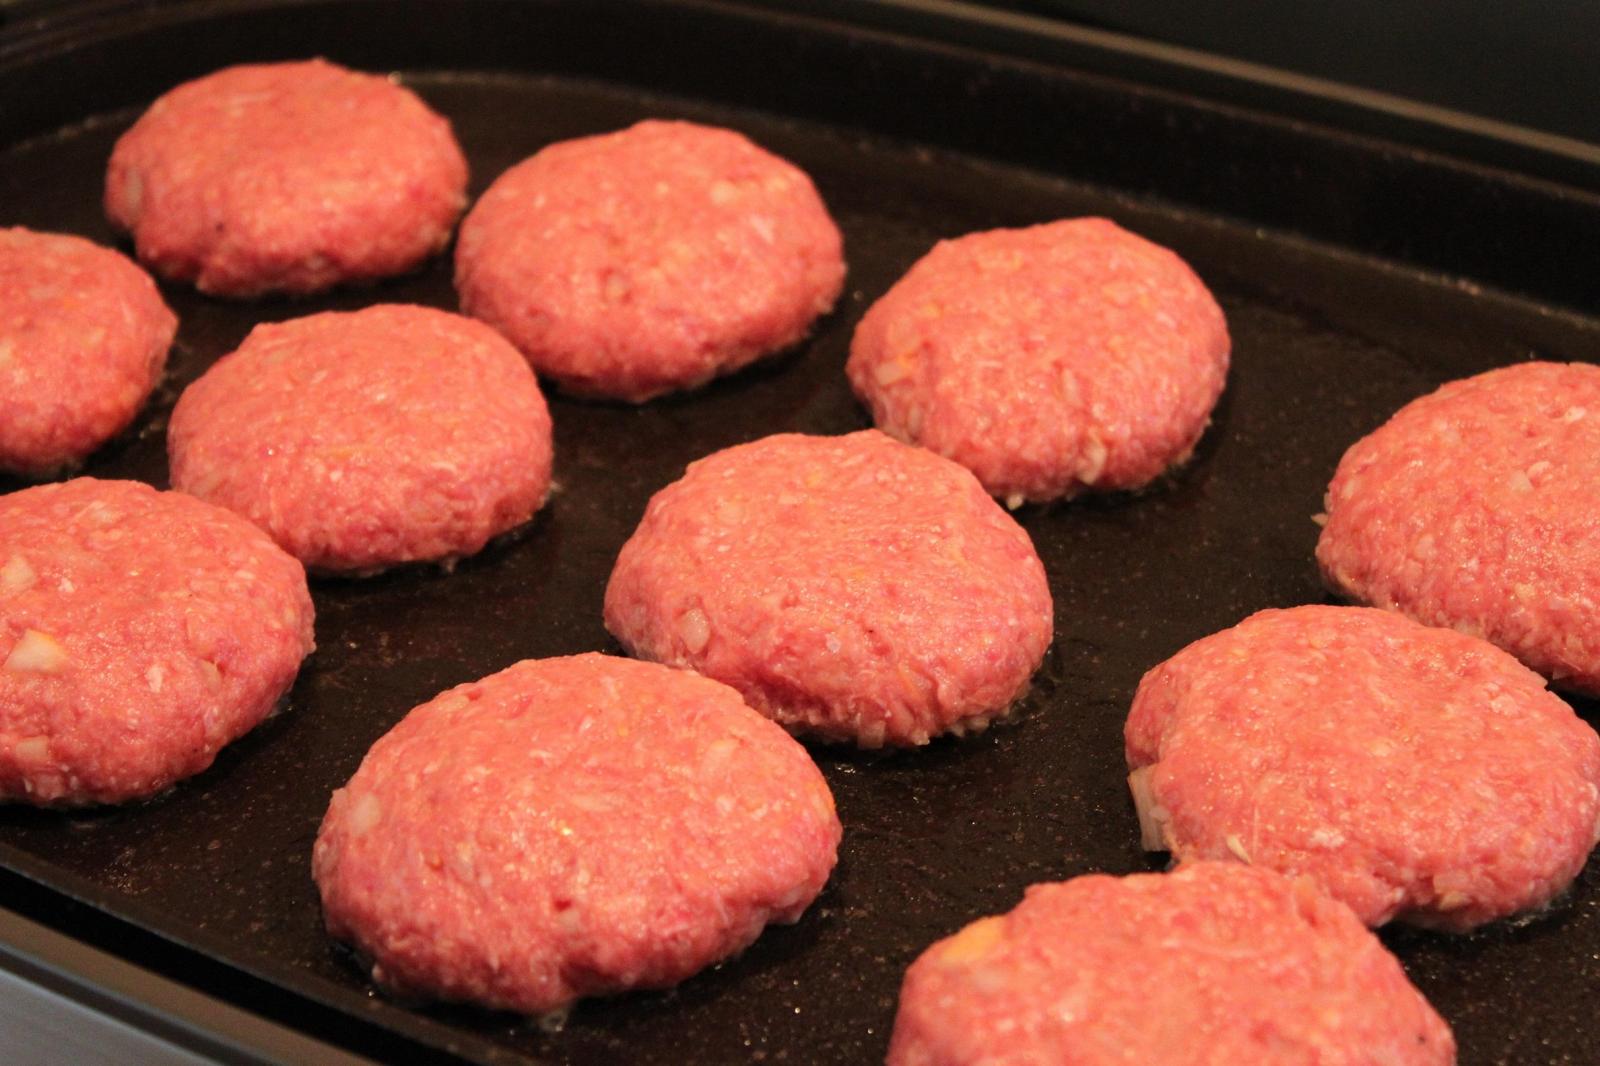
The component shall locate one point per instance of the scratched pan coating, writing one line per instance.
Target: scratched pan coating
(1326, 345)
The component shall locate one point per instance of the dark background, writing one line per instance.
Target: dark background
(1532, 63)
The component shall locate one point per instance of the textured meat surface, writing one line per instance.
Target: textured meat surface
(571, 827)
(1068, 356)
(634, 263)
(852, 587)
(1475, 508)
(1214, 965)
(1413, 772)
(140, 631)
(83, 337)
(361, 440)
(286, 177)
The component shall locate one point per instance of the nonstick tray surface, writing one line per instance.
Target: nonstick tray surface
(1327, 343)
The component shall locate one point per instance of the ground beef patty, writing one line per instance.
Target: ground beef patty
(140, 631)
(1474, 507)
(388, 435)
(1214, 965)
(850, 587)
(1046, 360)
(1414, 773)
(571, 827)
(83, 337)
(635, 263)
(286, 177)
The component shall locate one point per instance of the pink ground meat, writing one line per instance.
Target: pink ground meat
(1048, 360)
(1475, 508)
(389, 435)
(571, 827)
(850, 587)
(286, 177)
(83, 338)
(636, 263)
(140, 631)
(1414, 773)
(1214, 965)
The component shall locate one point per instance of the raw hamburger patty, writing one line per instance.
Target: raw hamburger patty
(83, 338)
(140, 631)
(1475, 508)
(1214, 965)
(361, 440)
(1413, 772)
(286, 177)
(1046, 360)
(635, 263)
(851, 587)
(571, 827)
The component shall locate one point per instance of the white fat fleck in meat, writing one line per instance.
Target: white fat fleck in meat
(892, 371)
(16, 576)
(1153, 817)
(463, 861)
(695, 630)
(1326, 838)
(718, 753)
(36, 653)
(364, 814)
(1093, 463)
(99, 513)
(450, 704)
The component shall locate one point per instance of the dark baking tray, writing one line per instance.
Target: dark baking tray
(1355, 273)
